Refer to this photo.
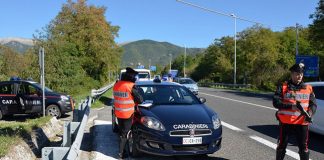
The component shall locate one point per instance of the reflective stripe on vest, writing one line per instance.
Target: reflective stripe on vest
(293, 115)
(124, 109)
(124, 102)
(123, 99)
(289, 113)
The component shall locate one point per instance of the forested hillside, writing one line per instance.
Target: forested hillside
(143, 51)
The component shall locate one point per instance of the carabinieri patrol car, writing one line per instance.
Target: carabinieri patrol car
(172, 121)
(25, 97)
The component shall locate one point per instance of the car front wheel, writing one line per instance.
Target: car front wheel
(132, 143)
(53, 110)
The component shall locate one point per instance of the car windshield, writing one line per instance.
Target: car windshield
(167, 95)
(40, 87)
(143, 75)
(186, 81)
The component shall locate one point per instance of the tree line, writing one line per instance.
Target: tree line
(80, 50)
(263, 56)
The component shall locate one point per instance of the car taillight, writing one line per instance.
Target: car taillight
(72, 104)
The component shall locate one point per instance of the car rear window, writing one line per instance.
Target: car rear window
(6, 89)
(319, 92)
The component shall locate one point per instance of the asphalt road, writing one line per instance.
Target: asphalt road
(250, 129)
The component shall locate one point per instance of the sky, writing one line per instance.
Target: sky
(163, 20)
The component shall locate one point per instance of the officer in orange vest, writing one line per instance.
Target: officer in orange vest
(126, 96)
(290, 98)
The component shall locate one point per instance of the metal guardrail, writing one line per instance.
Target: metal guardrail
(73, 131)
(95, 94)
(72, 136)
(225, 85)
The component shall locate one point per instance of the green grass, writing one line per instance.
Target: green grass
(13, 132)
(103, 100)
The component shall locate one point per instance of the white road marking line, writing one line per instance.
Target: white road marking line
(231, 127)
(99, 122)
(239, 101)
(274, 146)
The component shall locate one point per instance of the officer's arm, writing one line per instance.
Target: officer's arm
(277, 99)
(137, 96)
(312, 104)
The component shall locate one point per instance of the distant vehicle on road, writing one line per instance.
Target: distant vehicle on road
(25, 97)
(172, 121)
(143, 74)
(318, 119)
(189, 83)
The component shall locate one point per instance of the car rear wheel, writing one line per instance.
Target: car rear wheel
(114, 125)
(53, 110)
(132, 143)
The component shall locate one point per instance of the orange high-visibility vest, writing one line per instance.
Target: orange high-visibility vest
(293, 116)
(123, 99)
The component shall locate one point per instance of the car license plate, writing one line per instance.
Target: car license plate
(193, 140)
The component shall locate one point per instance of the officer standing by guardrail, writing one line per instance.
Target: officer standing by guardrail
(126, 96)
(296, 105)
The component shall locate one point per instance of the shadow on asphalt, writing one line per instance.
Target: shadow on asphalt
(106, 100)
(108, 143)
(315, 140)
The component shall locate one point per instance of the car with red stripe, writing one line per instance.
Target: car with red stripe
(25, 97)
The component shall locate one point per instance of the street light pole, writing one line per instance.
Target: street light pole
(296, 39)
(224, 14)
(234, 16)
(184, 62)
(170, 60)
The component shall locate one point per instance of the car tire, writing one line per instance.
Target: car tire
(114, 125)
(132, 146)
(53, 110)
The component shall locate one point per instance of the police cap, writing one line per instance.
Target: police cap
(298, 67)
(131, 70)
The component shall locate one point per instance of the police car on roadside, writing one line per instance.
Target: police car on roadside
(172, 121)
(25, 97)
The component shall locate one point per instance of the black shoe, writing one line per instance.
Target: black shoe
(120, 156)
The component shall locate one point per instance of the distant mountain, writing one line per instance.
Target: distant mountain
(18, 44)
(143, 51)
(135, 52)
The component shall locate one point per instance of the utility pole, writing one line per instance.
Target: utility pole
(184, 62)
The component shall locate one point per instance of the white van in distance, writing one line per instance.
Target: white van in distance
(143, 74)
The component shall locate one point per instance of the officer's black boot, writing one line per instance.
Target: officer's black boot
(280, 155)
(122, 144)
(304, 155)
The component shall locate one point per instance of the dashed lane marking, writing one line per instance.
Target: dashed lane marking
(274, 146)
(253, 104)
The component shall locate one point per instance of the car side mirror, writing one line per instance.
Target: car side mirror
(202, 100)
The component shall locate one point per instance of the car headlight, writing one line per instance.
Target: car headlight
(64, 98)
(216, 122)
(152, 123)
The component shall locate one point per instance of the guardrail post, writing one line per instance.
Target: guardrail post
(70, 129)
(54, 153)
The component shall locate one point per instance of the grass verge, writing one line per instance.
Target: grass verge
(12, 133)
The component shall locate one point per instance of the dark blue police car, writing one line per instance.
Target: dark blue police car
(25, 97)
(173, 121)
